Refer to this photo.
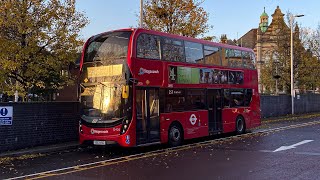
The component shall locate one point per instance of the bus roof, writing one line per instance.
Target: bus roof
(192, 39)
(142, 30)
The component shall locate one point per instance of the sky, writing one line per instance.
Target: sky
(231, 17)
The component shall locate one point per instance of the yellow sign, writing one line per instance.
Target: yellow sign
(103, 71)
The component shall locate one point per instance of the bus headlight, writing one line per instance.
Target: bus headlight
(80, 127)
(125, 125)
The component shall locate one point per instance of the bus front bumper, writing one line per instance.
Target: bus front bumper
(103, 136)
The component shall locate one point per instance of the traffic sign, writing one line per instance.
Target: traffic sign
(6, 113)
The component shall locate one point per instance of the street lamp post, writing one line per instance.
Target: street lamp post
(291, 49)
(141, 13)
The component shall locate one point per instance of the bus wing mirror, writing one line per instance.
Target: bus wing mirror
(125, 92)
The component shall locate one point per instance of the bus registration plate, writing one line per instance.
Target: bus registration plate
(99, 143)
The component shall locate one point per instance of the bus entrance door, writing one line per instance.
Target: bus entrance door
(148, 125)
(215, 110)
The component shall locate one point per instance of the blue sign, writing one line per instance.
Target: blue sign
(6, 113)
(3, 111)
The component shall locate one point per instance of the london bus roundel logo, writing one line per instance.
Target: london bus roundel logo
(193, 119)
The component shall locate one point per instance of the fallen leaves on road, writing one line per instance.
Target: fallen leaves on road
(6, 160)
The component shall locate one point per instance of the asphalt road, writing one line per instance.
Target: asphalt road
(250, 156)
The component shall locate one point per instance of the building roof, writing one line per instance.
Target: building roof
(264, 14)
(249, 39)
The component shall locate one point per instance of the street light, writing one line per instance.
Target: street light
(141, 14)
(292, 88)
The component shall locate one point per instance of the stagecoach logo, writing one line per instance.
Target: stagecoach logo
(93, 131)
(193, 119)
(146, 71)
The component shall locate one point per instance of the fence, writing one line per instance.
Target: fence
(36, 124)
(272, 106)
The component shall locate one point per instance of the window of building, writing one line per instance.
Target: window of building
(194, 52)
(173, 50)
(148, 46)
(212, 55)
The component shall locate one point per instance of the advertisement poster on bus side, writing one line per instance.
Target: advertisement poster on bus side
(187, 75)
(184, 75)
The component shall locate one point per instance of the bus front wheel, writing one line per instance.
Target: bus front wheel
(240, 125)
(175, 135)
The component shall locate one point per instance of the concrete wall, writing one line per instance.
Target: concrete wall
(37, 124)
(272, 106)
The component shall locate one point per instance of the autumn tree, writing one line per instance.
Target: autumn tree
(310, 66)
(182, 17)
(38, 40)
(306, 66)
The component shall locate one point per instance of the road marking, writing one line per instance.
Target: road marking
(283, 148)
(77, 168)
(298, 153)
(308, 153)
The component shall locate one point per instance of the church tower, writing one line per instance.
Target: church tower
(264, 21)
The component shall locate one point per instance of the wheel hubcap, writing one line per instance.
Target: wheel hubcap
(175, 134)
(240, 125)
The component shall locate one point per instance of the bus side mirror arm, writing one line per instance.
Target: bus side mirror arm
(133, 80)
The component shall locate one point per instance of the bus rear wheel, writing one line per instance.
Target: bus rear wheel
(240, 125)
(175, 135)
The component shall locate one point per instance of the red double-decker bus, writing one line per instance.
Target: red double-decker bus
(141, 87)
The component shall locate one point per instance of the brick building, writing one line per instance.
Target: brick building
(262, 39)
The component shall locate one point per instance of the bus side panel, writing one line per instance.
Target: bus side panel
(246, 112)
(196, 124)
(148, 73)
(165, 121)
(255, 112)
(229, 116)
(255, 120)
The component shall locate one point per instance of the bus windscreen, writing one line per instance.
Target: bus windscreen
(103, 76)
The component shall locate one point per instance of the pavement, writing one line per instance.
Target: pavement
(42, 149)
